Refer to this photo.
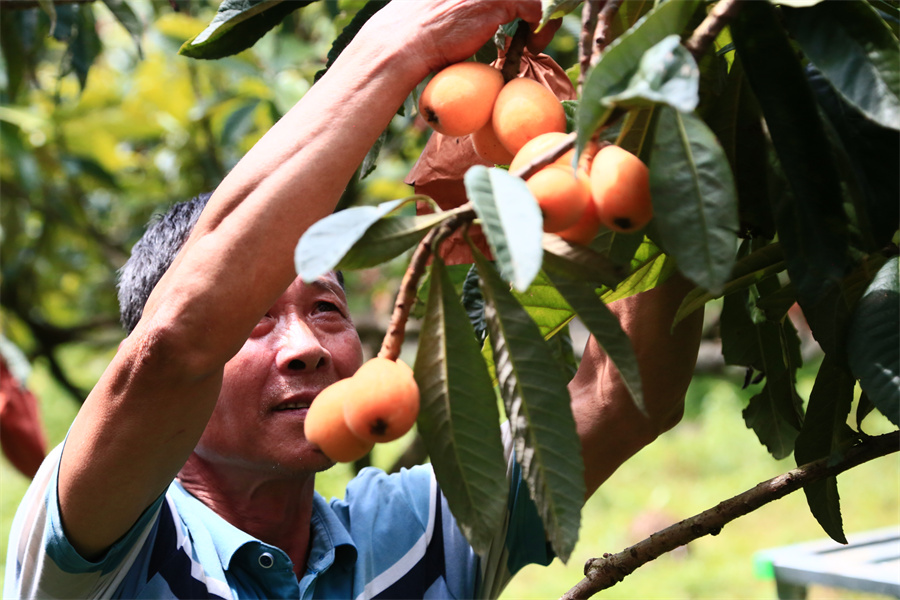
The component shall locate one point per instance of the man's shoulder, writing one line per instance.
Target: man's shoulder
(377, 494)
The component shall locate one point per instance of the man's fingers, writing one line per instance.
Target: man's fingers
(538, 41)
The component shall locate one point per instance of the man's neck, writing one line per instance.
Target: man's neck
(275, 509)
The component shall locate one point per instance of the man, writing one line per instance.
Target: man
(186, 473)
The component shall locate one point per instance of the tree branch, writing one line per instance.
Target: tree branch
(721, 14)
(393, 339)
(601, 31)
(605, 572)
(589, 13)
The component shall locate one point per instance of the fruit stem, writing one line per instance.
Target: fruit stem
(545, 159)
(514, 53)
(406, 297)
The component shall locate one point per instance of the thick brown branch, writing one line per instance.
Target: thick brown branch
(602, 573)
(706, 33)
(393, 339)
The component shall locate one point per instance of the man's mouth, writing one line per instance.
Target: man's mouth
(292, 406)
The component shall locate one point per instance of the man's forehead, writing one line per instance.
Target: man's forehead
(328, 282)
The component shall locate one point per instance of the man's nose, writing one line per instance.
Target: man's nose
(300, 348)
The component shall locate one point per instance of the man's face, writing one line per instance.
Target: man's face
(304, 343)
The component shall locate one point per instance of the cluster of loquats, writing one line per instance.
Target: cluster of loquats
(518, 122)
(472, 98)
(379, 403)
(609, 187)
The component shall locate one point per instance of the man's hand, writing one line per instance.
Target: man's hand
(449, 31)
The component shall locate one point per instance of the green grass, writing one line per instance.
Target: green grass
(710, 456)
(701, 462)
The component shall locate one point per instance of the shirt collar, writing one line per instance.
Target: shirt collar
(329, 535)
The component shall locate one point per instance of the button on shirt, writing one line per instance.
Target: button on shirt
(392, 536)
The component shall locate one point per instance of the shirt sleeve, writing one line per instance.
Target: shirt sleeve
(41, 561)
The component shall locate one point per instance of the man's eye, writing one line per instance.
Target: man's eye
(264, 326)
(325, 306)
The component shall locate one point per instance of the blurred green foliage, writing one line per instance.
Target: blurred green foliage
(91, 152)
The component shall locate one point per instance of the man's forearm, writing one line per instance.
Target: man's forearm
(611, 427)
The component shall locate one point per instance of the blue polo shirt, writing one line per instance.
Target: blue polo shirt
(391, 536)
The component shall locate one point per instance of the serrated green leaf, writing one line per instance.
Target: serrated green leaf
(349, 32)
(368, 163)
(772, 348)
(13, 55)
(389, 237)
(473, 303)
(809, 216)
(327, 241)
(737, 123)
(867, 147)
(84, 45)
(694, 199)
(621, 59)
(667, 74)
(747, 271)
(863, 408)
(873, 345)
(126, 16)
(238, 25)
(458, 419)
(554, 9)
(605, 328)
(764, 416)
(829, 316)
(624, 248)
(852, 46)
(750, 339)
(649, 268)
(889, 13)
(538, 406)
(546, 307)
(825, 434)
(511, 221)
(239, 122)
(580, 262)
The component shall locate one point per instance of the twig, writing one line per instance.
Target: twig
(601, 31)
(546, 158)
(393, 339)
(514, 53)
(720, 15)
(602, 573)
(589, 13)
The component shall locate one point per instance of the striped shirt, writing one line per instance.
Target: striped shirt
(392, 536)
